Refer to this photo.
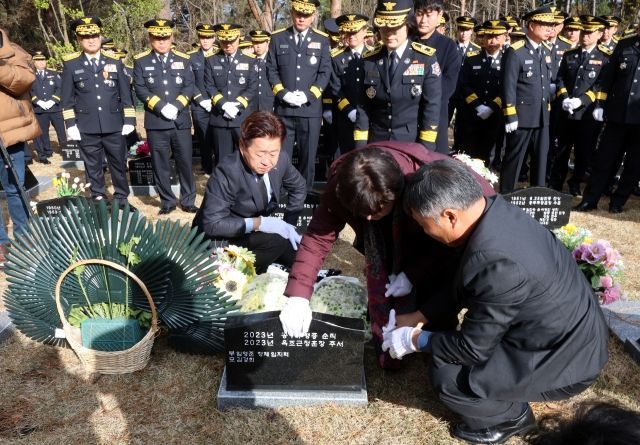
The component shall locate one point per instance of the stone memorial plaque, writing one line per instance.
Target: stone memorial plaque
(141, 172)
(53, 207)
(310, 203)
(623, 318)
(260, 356)
(547, 206)
(70, 151)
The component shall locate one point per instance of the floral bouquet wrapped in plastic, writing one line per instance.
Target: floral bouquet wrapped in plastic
(477, 165)
(235, 269)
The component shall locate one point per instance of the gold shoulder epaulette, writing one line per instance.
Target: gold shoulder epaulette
(279, 30)
(193, 51)
(475, 45)
(373, 51)
(337, 50)
(322, 33)
(547, 45)
(129, 66)
(211, 52)
(70, 56)
(605, 49)
(181, 54)
(142, 54)
(519, 44)
(248, 54)
(472, 53)
(615, 38)
(424, 49)
(629, 36)
(565, 40)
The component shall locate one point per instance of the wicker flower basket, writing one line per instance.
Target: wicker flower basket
(116, 362)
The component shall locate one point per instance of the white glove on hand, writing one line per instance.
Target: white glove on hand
(73, 134)
(510, 128)
(574, 103)
(50, 103)
(206, 104)
(230, 110)
(290, 98)
(295, 317)
(328, 116)
(398, 286)
(552, 89)
(301, 98)
(353, 114)
(483, 112)
(271, 224)
(399, 342)
(566, 104)
(127, 129)
(169, 112)
(42, 104)
(598, 114)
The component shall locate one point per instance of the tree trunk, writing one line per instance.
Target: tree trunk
(463, 6)
(63, 23)
(336, 8)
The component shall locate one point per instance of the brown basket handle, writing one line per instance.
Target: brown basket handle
(116, 266)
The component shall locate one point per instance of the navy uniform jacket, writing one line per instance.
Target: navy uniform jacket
(620, 83)
(233, 194)
(557, 50)
(307, 69)
(197, 59)
(525, 85)
(263, 99)
(578, 79)
(612, 43)
(450, 61)
(97, 102)
(346, 79)
(49, 88)
(408, 109)
(235, 83)
(157, 86)
(481, 82)
(533, 322)
(471, 49)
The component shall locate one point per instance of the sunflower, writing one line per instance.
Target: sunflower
(232, 282)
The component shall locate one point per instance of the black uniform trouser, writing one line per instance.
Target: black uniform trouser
(615, 140)
(517, 144)
(161, 143)
(452, 384)
(269, 248)
(306, 132)
(342, 130)
(582, 135)
(442, 139)
(93, 150)
(202, 131)
(483, 136)
(225, 141)
(42, 142)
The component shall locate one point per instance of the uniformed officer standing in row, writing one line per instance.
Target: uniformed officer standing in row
(402, 89)
(619, 105)
(97, 109)
(577, 93)
(609, 38)
(299, 69)
(347, 78)
(230, 80)
(526, 100)
(263, 99)
(45, 97)
(164, 83)
(201, 102)
(481, 87)
(464, 32)
(571, 30)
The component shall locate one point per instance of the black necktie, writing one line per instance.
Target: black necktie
(94, 65)
(393, 62)
(161, 58)
(583, 55)
(490, 59)
(229, 59)
(300, 39)
(263, 191)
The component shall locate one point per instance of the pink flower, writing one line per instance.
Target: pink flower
(606, 281)
(610, 295)
(611, 257)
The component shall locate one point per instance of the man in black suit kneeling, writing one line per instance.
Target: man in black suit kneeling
(245, 189)
(533, 330)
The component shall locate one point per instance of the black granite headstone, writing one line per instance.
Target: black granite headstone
(547, 206)
(310, 203)
(71, 151)
(53, 207)
(141, 172)
(260, 356)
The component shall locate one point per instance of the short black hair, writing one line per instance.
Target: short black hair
(422, 5)
(368, 180)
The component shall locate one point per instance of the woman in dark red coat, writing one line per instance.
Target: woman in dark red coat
(364, 190)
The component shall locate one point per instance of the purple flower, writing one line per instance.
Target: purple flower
(610, 295)
(596, 251)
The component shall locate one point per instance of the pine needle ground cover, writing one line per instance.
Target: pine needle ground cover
(47, 398)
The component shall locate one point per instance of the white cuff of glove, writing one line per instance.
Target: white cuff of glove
(206, 104)
(510, 128)
(598, 114)
(399, 342)
(398, 286)
(353, 114)
(290, 98)
(73, 133)
(127, 129)
(296, 317)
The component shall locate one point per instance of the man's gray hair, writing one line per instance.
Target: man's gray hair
(440, 185)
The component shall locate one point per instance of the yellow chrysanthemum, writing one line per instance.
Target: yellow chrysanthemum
(588, 240)
(569, 229)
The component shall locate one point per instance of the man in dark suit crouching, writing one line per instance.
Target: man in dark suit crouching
(246, 187)
(533, 329)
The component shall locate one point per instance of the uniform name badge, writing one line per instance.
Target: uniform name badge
(178, 80)
(313, 60)
(371, 92)
(416, 90)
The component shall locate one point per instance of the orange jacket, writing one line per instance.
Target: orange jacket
(17, 120)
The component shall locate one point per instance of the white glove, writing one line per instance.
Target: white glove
(73, 134)
(483, 112)
(398, 286)
(230, 110)
(295, 317)
(50, 103)
(42, 104)
(291, 99)
(399, 342)
(271, 224)
(206, 104)
(170, 112)
(552, 89)
(566, 104)
(300, 98)
(127, 129)
(353, 114)
(328, 116)
(509, 128)
(571, 103)
(598, 114)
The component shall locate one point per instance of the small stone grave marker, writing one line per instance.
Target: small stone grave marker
(547, 206)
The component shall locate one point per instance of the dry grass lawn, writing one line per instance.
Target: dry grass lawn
(47, 398)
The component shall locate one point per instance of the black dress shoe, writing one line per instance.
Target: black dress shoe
(613, 208)
(122, 204)
(189, 209)
(524, 423)
(585, 206)
(44, 161)
(636, 190)
(166, 210)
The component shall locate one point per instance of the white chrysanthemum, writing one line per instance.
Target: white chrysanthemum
(232, 282)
